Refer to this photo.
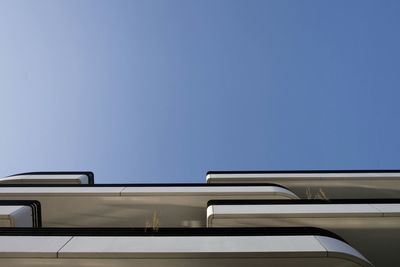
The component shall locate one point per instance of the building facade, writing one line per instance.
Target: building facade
(270, 218)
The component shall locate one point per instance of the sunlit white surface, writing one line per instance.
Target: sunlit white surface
(178, 251)
(334, 185)
(367, 227)
(46, 179)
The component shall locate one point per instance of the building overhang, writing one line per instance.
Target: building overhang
(334, 184)
(367, 224)
(127, 205)
(60, 178)
(176, 247)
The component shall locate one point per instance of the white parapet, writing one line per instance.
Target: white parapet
(334, 184)
(369, 227)
(46, 179)
(178, 251)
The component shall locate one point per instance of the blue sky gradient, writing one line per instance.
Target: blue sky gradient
(163, 91)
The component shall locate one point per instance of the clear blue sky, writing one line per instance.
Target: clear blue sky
(163, 91)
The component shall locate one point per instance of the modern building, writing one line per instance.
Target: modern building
(270, 218)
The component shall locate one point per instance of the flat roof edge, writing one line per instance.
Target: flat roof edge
(304, 171)
(89, 174)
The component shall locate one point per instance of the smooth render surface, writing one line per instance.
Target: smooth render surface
(31, 246)
(367, 227)
(172, 206)
(15, 216)
(334, 185)
(178, 251)
(46, 179)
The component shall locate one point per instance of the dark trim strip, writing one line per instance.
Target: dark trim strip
(302, 201)
(33, 204)
(89, 174)
(146, 185)
(219, 231)
(304, 171)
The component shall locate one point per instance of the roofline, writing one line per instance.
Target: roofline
(304, 171)
(89, 174)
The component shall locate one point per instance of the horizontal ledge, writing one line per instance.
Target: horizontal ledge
(195, 247)
(145, 185)
(126, 191)
(251, 212)
(190, 248)
(186, 231)
(89, 174)
(47, 178)
(305, 171)
(303, 201)
(248, 177)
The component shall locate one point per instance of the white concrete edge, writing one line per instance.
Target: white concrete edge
(189, 247)
(217, 212)
(206, 190)
(60, 191)
(339, 249)
(254, 177)
(210, 215)
(66, 247)
(388, 209)
(46, 179)
(255, 191)
(35, 247)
